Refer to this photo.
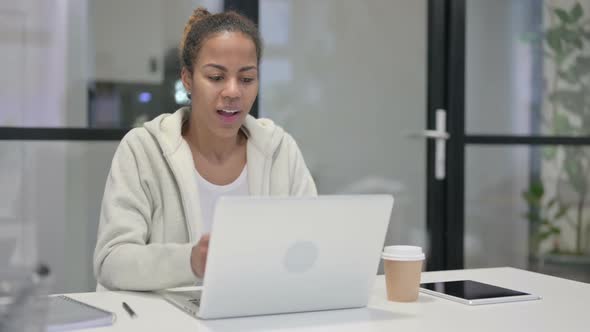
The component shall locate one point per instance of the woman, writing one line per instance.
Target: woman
(165, 177)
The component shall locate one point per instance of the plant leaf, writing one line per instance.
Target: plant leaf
(544, 235)
(571, 36)
(537, 189)
(563, 15)
(561, 212)
(576, 12)
(554, 40)
(531, 199)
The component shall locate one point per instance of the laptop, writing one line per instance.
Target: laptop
(271, 255)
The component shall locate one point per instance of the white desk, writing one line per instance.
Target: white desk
(565, 306)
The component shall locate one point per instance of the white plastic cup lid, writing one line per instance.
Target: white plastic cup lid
(403, 253)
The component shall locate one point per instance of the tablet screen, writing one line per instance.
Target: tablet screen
(470, 290)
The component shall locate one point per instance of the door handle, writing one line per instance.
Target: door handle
(435, 134)
(440, 135)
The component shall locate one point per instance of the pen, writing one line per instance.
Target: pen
(129, 310)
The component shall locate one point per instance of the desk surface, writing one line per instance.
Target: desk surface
(564, 306)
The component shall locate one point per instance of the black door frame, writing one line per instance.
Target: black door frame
(444, 197)
(437, 99)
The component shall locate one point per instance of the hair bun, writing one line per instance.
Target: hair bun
(198, 14)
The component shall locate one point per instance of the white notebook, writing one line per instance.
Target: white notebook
(66, 314)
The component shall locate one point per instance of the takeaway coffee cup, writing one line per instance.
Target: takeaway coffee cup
(403, 265)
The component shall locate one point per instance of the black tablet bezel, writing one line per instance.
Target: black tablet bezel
(474, 292)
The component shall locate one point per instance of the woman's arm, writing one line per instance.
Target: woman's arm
(123, 259)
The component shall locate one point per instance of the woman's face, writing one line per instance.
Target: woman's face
(224, 82)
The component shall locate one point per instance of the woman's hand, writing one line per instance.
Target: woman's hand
(199, 256)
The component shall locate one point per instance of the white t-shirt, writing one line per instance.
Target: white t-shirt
(209, 193)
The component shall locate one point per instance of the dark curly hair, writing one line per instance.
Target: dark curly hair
(202, 25)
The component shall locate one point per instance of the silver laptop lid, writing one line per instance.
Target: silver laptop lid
(272, 255)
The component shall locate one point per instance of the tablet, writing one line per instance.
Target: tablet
(474, 293)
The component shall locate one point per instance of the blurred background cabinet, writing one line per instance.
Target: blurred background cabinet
(128, 41)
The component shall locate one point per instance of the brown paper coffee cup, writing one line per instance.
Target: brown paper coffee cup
(402, 279)
(402, 272)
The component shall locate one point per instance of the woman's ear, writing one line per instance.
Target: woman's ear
(187, 79)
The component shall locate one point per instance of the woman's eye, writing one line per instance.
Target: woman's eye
(216, 78)
(247, 79)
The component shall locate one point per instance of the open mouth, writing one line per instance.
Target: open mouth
(228, 115)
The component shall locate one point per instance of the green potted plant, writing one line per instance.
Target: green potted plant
(558, 215)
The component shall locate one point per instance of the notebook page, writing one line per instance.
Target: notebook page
(66, 314)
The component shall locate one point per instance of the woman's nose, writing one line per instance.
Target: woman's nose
(231, 89)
